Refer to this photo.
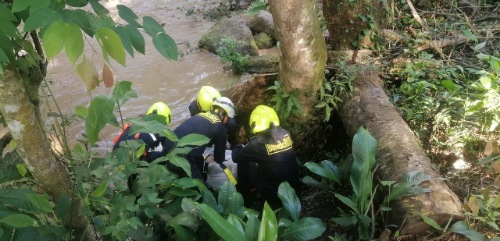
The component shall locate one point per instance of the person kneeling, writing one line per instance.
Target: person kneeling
(267, 160)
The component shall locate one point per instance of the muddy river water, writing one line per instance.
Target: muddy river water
(154, 78)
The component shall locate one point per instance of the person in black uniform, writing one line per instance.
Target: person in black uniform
(153, 142)
(155, 145)
(267, 160)
(203, 102)
(211, 124)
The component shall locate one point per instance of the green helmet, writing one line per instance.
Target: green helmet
(226, 104)
(262, 117)
(160, 108)
(206, 97)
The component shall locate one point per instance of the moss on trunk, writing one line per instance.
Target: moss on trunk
(33, 146)
(303, 50)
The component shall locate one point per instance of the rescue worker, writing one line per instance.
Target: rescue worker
(204, 101)
(267, 160)
(211, 124)
(206, 97)
(153, 142)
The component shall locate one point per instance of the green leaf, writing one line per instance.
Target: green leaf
(53, 42)
(99, 114)
(430, 222)
(17, 198)
(461, 227)
(364, 148)
(185, 219)
(347, 201)
(485, 82)
(99, 9)
(136, 38)
(304, 229)
(63, 207)
(183, 234)
(111, 44)
(18, 220)
(469, 35)
(290, 201)
(346, 221)
(209, 199)
(80, 18)
(74, 42)
(8, 29)
(221, 227)
(166, 46)
(269, 225)
(310, 181)
(321, 104)
(236, 222)
(179, 161)
(41, 18)
(252, 227)
(3, 57)
(230, 200)
(77, 3)
(81, 111)
(450, 85)
(6, 46)
(128, 15)
(149, 125)
(41, 202)
(156, 174)
(100, 190)
(151, 26)
(21, 168)
(323, 171)
(489, 158)
(18, 6)
(193, 140)
(180, 192)
(123, 92)
(127, 45)
(408, 185)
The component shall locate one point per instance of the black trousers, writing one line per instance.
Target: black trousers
(253, 189)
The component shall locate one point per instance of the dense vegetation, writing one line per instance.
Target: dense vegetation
(449, 95)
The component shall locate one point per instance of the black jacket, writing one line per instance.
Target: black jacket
(232, 126)
(273, 151)
(154, 143)
(210, 125)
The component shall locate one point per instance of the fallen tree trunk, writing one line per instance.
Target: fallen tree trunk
(398, 152)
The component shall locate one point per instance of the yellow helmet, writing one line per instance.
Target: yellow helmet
(160, 108)
(206, 97)
(262, 117)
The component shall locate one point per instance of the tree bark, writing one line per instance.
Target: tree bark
(34, 148)
(398, 152)
(302, 50)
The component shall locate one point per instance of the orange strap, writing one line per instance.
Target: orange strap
(126, 126)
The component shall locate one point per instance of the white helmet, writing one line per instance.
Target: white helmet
(226, 104)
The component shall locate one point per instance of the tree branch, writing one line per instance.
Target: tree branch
(416, 16)
(39, 50)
